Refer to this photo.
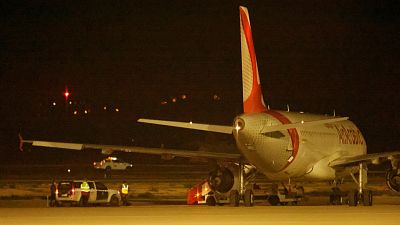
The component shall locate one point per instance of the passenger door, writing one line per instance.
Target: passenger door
(93, 193)
(102, 192)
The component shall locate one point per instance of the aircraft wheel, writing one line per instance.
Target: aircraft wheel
(234, 198)
(211, 201)
(248, 198)
(273, 200)
(335, 199)
(367, 198)
(353, 198)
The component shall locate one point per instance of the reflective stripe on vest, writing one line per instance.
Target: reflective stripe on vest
(85, 187)
(124, 188)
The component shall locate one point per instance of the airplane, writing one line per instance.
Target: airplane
(282, 145)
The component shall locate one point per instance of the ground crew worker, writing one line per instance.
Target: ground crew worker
(52, 193)
(85, 192)
(124, 192)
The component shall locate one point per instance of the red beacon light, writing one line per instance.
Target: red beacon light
(66, 94)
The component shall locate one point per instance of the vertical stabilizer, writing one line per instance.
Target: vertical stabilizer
(252, 95)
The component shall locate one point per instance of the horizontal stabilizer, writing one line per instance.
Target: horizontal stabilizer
(190, 125)
(268, 129)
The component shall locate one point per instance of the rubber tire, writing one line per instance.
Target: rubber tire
(367, 198)
(274, 200)
(248, 198)
(114, 201)
(234, 198)
(211, 201)
(353, 198)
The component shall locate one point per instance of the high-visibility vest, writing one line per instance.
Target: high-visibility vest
(85, 187)
(125, 189)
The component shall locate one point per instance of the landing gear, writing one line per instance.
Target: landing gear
(367, 198)
(336, 196)
(248, 198)
(242, 193)
(234, 198)
(362, 195)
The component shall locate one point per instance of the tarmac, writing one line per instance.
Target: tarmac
(182, 214)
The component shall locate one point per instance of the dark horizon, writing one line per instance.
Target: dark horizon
(132, 56)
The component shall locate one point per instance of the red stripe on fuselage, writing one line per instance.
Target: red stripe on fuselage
(254, 102)
(294, 136)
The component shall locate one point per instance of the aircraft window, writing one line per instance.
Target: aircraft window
(274, 134)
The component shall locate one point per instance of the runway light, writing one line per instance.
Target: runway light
(116, 110)
(69, 170)
(54, 103)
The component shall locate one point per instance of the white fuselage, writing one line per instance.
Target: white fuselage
(297, 152)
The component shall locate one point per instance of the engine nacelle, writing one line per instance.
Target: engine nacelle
(226, 178)
(393, 180)
(221, 179)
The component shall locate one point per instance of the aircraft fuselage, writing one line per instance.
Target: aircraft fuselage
(296, 152)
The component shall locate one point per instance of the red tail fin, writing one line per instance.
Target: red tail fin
(252, 95)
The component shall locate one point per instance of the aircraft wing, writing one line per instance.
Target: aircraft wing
(229, 129)
(190, 125)
(108, 149)
(374, 158)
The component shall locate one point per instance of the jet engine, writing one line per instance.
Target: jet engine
(221, 179)
(393, 180)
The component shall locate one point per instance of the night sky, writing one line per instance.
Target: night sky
(138, 57)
